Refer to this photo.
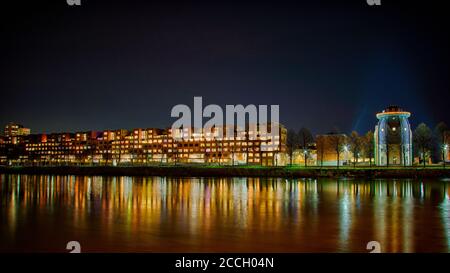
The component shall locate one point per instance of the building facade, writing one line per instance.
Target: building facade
(144, 146)
(305, 156)
(393, 138)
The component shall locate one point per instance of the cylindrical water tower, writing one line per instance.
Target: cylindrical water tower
(393, 138)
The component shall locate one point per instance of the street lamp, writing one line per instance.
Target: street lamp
(444, 152)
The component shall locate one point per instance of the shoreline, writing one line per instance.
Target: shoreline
(233, 171)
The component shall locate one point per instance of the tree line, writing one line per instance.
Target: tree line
(428, 144)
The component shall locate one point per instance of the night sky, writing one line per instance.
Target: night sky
(125, 64)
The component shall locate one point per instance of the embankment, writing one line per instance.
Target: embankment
(228, 171)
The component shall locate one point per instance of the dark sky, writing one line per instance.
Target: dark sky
(125, 64)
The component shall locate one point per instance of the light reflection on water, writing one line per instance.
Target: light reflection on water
(156, 214)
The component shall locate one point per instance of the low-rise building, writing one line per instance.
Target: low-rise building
(308, 154)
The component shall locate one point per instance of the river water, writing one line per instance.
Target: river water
(42, 213)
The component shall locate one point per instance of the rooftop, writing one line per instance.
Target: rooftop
(393, 110)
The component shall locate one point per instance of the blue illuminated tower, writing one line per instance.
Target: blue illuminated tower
(393, 138)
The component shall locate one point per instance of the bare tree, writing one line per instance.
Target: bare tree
(291, 143)
(369, 146)
(305, 138)
(423, 138)
(355, 146)
(337, 141)
(439, 141)
(320, 144)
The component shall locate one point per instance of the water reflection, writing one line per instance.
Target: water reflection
(43, 213)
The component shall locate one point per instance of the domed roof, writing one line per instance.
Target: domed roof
(393, 110)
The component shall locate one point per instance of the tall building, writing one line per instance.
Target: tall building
(14, 129)
(393, 138)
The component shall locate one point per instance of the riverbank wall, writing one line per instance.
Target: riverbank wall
(229, 171)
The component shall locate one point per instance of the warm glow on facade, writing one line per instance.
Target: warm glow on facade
(142, 146)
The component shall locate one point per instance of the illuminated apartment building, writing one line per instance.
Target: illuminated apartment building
(143, 146)
(266, 149)
(11, 144)
(14, 129)
(15, 132)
